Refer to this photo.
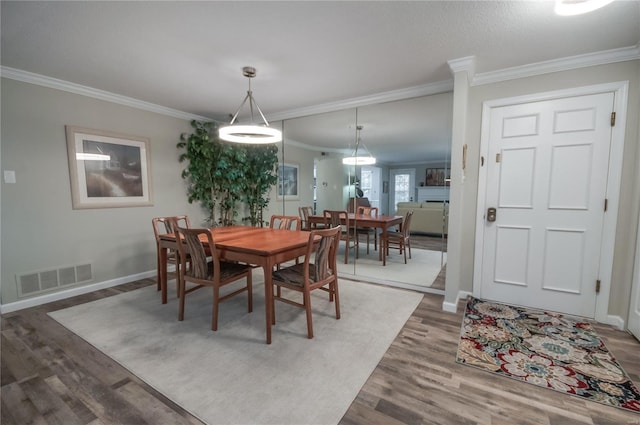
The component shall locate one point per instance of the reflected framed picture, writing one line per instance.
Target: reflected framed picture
(108, 170)
(288, 182)
(437, 177)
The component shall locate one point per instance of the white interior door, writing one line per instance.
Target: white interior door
(547, 170)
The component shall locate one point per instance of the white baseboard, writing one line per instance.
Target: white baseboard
(616, 322)
(450, 307)
(72, 292)
(453, 307)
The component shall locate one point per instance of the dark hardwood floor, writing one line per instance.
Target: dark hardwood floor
(50, 376)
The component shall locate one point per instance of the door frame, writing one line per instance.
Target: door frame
(614, 178)
(392, 191)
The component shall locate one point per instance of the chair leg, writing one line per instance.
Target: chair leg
(409, 245)
(273, 305)
(404, 251)
(181, 296)
(337, 298)
(214, 316)
(307, 305)
(250, 292)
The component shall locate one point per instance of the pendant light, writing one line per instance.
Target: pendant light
(252, 133)
(360, 156)
(578, 7)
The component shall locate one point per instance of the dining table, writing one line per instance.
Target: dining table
(382, 222)
(260, 246)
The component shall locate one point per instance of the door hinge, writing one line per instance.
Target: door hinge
(613, 119)
(598, 286)
(498, 157)
(606, 204)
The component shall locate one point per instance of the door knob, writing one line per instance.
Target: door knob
(491, 214)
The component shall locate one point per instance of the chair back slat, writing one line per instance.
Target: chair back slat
(326, 251)
(164, 225)
(372, 211)
(286, 222)
(192, 245)
(406, 223)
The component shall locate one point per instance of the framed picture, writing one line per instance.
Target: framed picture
(437, 177)
(288, 182)
(108, 170)
(385, 186)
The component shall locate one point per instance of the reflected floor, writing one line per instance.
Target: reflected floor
(423, 272)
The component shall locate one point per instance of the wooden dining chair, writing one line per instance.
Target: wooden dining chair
(287, 222)
(400, 239)
(318, 271)
(216, 273)
(162, 226)
(368, 231)
(335, 218)
(305, 213)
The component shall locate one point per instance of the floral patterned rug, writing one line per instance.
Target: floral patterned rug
(545, 349)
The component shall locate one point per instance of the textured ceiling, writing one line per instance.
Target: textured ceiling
(188, 55)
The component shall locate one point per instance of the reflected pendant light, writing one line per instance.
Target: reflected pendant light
(252, 133)
(358, 157)
(578, 7)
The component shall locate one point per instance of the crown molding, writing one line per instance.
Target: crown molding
(467, 63)
(54, 83)
(622, 54)
(456, 65)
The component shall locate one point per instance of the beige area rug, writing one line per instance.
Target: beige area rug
(231, 376)
(421, 269)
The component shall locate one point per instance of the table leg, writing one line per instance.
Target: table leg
(162, 273)
(268, 295)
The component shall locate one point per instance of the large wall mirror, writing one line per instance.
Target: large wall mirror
(410, 140)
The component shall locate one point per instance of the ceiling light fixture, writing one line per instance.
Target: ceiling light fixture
(253, 133)
(357, 158)
(578, 7)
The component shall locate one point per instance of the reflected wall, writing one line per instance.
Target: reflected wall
(406, 134)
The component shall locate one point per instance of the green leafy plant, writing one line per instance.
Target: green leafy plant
(260, 175)
(224, 174)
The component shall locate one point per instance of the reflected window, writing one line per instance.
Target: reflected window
(401, 187)
(366, 183)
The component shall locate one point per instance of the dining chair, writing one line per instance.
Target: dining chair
(318, 271)
(370, 211)
(199, 245)
(348, 234)
(287, 222)
(164, 225)
(400, 239)
(304, 213)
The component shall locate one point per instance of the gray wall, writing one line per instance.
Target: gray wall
(40, 230)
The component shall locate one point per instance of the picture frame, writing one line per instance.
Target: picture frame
(385, 186)
(107, 169)
(288, 186)
(437, 177)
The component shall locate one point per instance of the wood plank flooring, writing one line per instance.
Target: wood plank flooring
(50, 376)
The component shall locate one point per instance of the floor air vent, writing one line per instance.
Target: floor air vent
(33, 283)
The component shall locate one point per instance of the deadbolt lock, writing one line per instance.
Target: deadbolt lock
(491, 214)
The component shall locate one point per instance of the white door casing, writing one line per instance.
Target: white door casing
(411, 172)
(547, 247)
(633, 323)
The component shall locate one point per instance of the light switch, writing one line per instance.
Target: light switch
(9, 176)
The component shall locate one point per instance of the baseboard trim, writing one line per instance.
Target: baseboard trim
(450, 307)
(453, 307)
(72, 292)
(616, 321)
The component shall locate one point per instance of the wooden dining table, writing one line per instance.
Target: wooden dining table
(260, 246)
(383, 222)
